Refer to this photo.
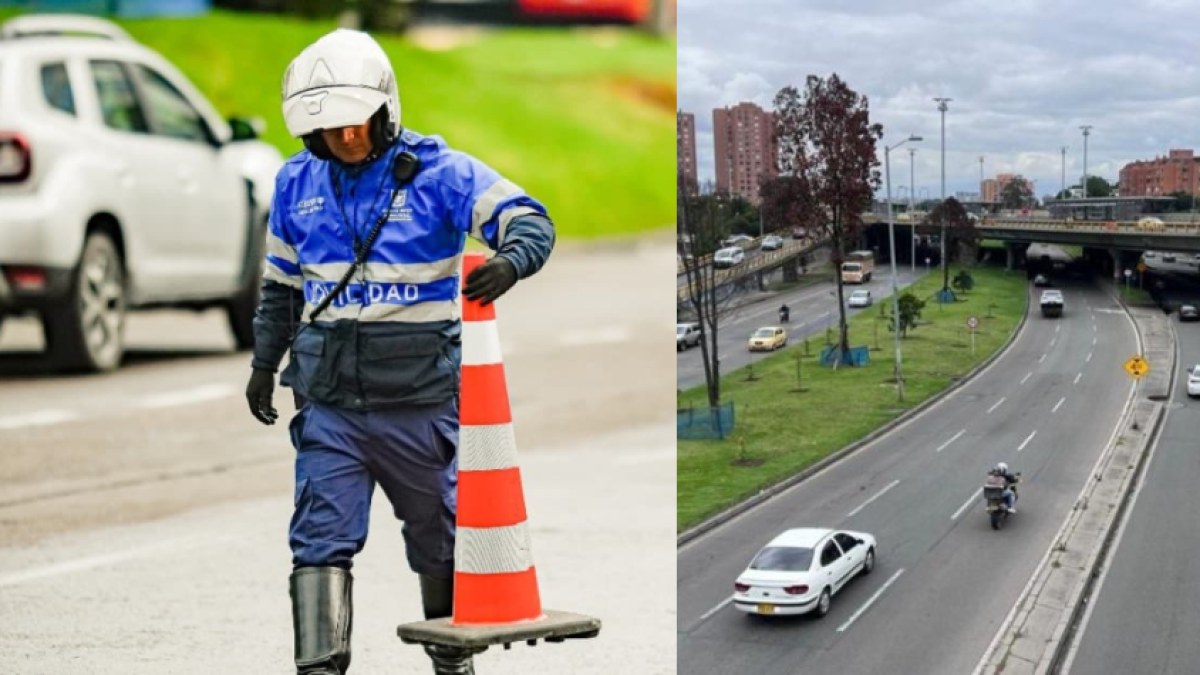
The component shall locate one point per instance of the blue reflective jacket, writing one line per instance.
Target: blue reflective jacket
(392, 336)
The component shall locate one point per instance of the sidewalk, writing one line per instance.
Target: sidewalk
(207, 591)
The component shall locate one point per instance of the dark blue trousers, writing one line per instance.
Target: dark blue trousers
(410, 451)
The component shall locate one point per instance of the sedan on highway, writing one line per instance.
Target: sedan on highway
(729, 257)
(686, 335)
(768, 339)
(801, 570)
(772, 243)
(860, 299)
(1188, 313)
(1193, 386)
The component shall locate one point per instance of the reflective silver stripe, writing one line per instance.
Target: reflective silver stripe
(486, 203)
(507, 217)
(481, 343)
(280, 249)
(413, 273)
(273, 273)
(486, 447)
(424, 312)
(493, 550)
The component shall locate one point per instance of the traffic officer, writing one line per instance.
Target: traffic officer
(364, 253)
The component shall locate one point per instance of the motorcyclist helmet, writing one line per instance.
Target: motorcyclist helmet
(1001, 467)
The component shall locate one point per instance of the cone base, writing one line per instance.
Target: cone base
(553, 625)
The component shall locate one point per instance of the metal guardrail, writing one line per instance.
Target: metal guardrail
(745, 246)
(1097, 226)
(767, 260)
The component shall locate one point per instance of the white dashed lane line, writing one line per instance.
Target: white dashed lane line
(952, 439)
(1026, 441)
(997, 404)
(877, 496)
(870, 602)
(37, 419)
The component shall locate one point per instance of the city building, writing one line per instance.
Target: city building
(685, 151)
(993, 188)
(744, 140)
(1177, 172)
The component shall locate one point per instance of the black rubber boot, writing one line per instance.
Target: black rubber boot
(321, 618)
(437, 596)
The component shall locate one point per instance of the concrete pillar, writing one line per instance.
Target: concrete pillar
(1117, 269)
(1010, 256)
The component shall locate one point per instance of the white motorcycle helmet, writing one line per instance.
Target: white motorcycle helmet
(343, 79)
(1001, 467)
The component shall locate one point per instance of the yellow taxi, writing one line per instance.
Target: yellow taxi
(768, 339)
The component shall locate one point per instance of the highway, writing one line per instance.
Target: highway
(945, 581)
(812, 310)
(1149, 594)
(144, 514)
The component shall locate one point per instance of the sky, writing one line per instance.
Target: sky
(1023, 76)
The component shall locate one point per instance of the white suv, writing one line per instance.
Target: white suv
(120, 187)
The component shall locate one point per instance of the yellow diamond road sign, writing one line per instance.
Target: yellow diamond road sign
(1137, 367)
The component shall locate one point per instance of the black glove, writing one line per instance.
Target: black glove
(491, 280)
(258, 394)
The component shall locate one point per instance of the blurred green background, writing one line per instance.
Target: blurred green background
(579, 117)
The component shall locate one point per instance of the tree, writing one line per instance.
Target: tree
(1182, 203)
(963, 281)
(910, 311)
(827, 153)
(1016, 194)
(1098, 187)
(960, 232)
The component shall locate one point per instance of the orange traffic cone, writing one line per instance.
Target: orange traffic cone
(494, 577)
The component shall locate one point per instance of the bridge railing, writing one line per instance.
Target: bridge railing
(768, 260)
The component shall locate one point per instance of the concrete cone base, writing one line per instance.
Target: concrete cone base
(554, 627)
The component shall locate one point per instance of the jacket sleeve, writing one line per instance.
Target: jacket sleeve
(282, 302)
(496, 212)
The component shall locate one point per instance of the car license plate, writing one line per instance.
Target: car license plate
(764, 608)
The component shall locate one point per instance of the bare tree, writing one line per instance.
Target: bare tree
(960, 231)
(827, 153)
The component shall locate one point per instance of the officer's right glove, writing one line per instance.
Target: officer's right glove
(258, 394)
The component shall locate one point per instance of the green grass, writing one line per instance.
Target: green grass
(1136, 296)
(788, 431)
(991, 244)
(579, 118)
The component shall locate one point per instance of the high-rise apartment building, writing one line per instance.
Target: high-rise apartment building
(1179, 171)
(993, 188)
(685, 151)
(744, 140)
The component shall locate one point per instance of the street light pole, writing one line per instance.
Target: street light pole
(943, 108)
(912, 239)
(887, 169)
(1087, 130)
(1064, 172)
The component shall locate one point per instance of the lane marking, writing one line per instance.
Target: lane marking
(1027, 376)
(997, 404)
(1093, 342)
(877, 496)
(1053, 342)
(1089, 357)
(707, 615)
(208, 392)
(970, 500)
(1093, 328)
(607, 335)
(1077, 376)
(1057, 328)
(37, 419)
(952, 439)
(871, 601)
(1042, 359)
(1059, 404)
(1027, 439)
(99, 561)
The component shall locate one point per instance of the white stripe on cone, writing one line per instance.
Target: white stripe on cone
(493, 550)
(486, 447)
(481, 343)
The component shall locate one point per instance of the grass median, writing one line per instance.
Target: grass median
(780, 431)
(579, 118)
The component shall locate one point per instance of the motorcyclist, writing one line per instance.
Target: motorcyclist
(367, 230)
(784, 313)
(1010, 485)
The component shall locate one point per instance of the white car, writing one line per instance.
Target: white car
(120, 187)
(686, 335)
(860, 299)
(729, 257)
(1193, 385)
(802, 569)
(771, 242)
(737, 240)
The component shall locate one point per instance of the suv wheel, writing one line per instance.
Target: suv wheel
(87, 331)
(240, 310)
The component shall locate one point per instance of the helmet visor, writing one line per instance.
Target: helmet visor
(330, 108)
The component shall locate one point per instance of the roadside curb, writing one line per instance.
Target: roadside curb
(769, 492)
(1035, 639)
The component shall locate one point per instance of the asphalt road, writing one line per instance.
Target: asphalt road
(144, 514)
(1144, 615)
(945, 580)
(812, 310)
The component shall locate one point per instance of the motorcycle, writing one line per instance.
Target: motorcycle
(993, 494)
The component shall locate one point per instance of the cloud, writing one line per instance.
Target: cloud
(1024, 76)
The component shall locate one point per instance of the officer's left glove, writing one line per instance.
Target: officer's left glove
(491, 280)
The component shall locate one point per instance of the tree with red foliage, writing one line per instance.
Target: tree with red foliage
(828, 164)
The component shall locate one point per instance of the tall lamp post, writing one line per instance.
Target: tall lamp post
(1064, 172)
(943, 108)
(887, 169)
(1087, 131)
(912, 216)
